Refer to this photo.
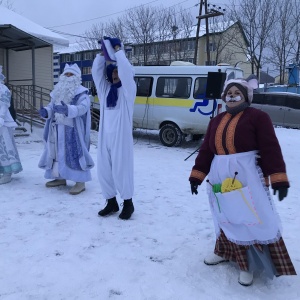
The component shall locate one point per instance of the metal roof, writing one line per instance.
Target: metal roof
(18, 40)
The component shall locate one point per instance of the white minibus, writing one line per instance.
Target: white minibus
(172, 99)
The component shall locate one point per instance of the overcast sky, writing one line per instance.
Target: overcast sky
(75, 17)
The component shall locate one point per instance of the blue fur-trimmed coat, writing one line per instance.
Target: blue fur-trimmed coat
(71, 150)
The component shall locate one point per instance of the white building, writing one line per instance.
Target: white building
(26, 50)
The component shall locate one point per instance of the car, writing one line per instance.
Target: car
(282, 107)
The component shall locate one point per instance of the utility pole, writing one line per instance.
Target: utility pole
(207, 14)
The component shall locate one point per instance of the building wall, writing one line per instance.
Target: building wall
(84, 60)
(20, 64)
(56, 68)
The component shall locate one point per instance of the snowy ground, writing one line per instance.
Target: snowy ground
(54, 246)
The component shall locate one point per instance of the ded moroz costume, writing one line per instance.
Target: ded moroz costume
(67, 132)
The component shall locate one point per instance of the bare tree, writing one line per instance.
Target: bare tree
(257, 18)
(283, 38)
(92, 36)
(8, 4)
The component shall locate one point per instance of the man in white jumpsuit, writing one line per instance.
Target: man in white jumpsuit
(116, 91)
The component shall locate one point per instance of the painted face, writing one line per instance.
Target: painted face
(234, 97)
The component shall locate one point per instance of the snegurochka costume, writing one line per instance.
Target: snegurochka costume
(240, 157)
(9, 156)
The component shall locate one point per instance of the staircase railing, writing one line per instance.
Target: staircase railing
(27, 100)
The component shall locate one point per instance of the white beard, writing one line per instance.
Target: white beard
(65, 90)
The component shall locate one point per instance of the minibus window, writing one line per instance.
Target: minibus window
(144, 86)
(174, 87)
(200, 88)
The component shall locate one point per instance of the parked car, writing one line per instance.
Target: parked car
(283, 108)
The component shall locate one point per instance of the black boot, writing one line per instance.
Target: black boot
(127, 210)
(110, 208)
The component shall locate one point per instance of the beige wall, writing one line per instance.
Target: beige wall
(20, 67)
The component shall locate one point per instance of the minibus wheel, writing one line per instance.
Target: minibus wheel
(170, 135)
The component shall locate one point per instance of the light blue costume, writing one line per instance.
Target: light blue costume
(66, 153)
(9, 157)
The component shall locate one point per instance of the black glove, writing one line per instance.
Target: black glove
(282, 192)
(194, 187)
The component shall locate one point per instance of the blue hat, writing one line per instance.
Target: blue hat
(109, 70)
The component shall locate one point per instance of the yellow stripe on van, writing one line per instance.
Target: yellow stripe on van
(174, 102)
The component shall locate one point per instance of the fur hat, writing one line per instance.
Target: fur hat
(74, 69)
(109, 70)
(2, 77)
(246, 86)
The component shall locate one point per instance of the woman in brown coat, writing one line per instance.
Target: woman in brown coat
(241, 157)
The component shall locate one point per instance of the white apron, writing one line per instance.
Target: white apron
(246, 215)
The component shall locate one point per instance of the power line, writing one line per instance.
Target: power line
(102, 16)
(97, 38)
(112, 14)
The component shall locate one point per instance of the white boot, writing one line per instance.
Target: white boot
(213, 259)
(5, 178)
(77, 188)
(246, 278)
(56, 182)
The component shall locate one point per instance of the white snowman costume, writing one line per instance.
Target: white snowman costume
(115, 140)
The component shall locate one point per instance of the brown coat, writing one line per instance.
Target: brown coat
(249, 130)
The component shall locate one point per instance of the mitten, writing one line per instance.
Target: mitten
(113, 41)
(43, 112)
(282, 192)
(105, 52)
(194, 187)
(61, 109)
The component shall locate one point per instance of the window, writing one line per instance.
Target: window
(200, 88)
(212, 47)
(144, 86)
(293, 102)
(86, 70)
(211, 63)
(88, 56)
(77, 56)
(87, 84)
(173, 87)
(66, 58)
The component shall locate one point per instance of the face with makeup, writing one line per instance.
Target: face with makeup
(234, 97)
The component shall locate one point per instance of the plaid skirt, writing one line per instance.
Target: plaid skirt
(238, 253)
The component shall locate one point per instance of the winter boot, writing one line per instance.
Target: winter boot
(56, 182)
(214, 259)
(5, 178)
(127, 210)
(77, 188)
(245, 278)
(110, 208)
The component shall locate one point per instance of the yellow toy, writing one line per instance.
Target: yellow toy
(231, 184)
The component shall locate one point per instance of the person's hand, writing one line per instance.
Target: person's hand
(194, 187)
(1, 122)
(43, 112)
(113, 41)
(282, 192)
(61, 109)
